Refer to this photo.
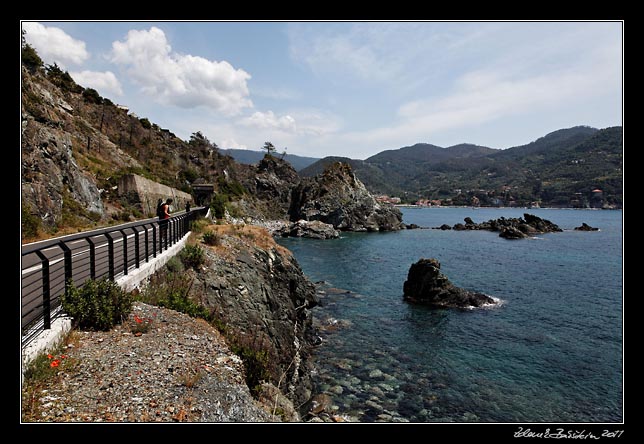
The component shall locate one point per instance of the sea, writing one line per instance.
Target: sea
(549, 351)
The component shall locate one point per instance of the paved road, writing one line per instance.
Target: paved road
(32, 266)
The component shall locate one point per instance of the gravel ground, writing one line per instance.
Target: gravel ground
(179, 370)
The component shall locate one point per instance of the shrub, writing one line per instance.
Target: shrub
(92, 96)
(256, 357)
(30, 58)
(211, 238)
(97, 305)
(30, 223)
(192, 256)
(174, 265)
(145, 123)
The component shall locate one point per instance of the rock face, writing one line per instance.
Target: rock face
(259, 291)
(311, 229)
(585, 227)
(512, 228)
(337, 197)
(272, 184)
(427, 285)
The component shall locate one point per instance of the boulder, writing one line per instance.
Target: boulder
(426, 284)
(311, 229)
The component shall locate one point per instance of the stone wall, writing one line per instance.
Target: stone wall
(149, 192)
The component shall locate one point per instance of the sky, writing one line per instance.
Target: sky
(351, 89)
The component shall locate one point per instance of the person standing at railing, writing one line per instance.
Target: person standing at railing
(164, 216)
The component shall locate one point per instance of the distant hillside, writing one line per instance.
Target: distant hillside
(251, 157)
(561, 169)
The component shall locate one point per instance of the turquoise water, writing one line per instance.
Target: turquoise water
(550, 351)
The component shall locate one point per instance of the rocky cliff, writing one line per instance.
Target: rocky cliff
(271, 181)
(337, 197)
(255, 287)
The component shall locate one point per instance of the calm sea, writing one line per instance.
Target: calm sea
(550, 351)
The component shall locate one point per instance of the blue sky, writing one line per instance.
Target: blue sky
(349, 88)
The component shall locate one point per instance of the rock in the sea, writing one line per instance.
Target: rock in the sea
(312, 229)
(585, 227)
(445, 227)
(512, 233)
(427, 285)
(512, 228)
(339, 198)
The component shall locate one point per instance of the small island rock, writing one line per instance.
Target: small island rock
(427, 285)
(585, 227)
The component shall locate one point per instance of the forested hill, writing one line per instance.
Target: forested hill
(565, 168)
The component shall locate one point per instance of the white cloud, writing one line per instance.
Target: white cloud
(105, 83)
(232, 144)
(182, 80)
(55, 45)
(269, 120)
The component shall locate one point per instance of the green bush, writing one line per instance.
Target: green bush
(192, 256)
(256, 357)
(97, 305)
(92, 96)
(218, 205)
(30, 58)
(30, 223)
(211, 238)
(174, 265)
(145, 123)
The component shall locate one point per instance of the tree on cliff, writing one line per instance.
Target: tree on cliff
(198, 140)
(269, 147)
(30, 57)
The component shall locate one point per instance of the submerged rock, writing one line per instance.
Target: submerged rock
(427, 285)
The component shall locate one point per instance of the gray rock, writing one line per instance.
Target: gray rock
(274, 313)
(310, 229)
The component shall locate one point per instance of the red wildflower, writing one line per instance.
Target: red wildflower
(50, 356)
(55, 363)
(138, 319)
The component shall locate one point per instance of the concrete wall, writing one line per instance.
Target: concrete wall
(150, 192)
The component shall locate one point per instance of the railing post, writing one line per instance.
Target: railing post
(46, 295)
(68, 264)
(154, 240)
(136, 247)
(110, 255)
(92, 258)
(124, 251)
(147, 252)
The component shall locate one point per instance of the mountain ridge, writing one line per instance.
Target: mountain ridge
(557, 170)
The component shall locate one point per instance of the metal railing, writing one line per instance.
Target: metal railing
(49, 266)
